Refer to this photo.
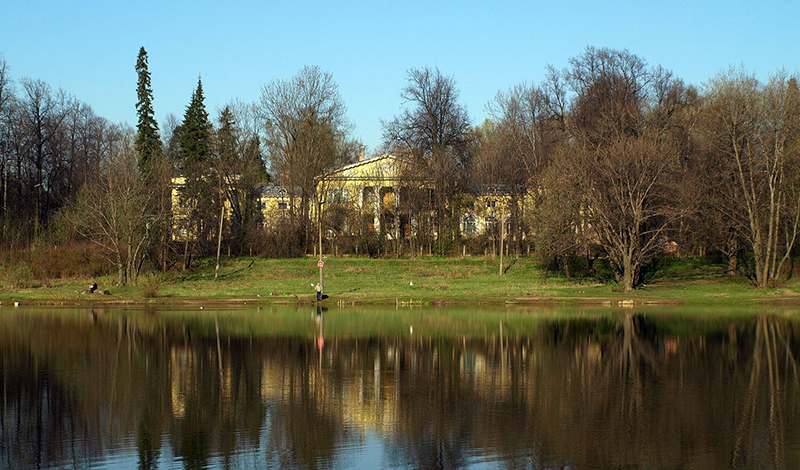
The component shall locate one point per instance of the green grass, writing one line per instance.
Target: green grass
(406, 281)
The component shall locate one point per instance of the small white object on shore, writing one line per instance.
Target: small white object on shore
(16, 304)
(411, 283)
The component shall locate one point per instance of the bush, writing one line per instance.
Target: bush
(65, 261)
(604, 270)
(578, 266)
(20, 277)
(149, 286)
(285, 241)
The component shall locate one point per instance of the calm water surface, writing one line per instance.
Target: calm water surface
(294, 387)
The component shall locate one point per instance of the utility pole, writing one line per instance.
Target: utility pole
(219, 234)
(496, 191)
(320, 264)
(502, 235)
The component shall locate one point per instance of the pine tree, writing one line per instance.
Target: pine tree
(196, 135)
(148, 142)
(200, 195)
(238, 160)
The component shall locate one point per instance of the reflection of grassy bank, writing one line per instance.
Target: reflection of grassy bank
(411, 281)
(290, 321)
(371, 322)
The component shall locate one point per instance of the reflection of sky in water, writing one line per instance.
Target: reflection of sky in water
(368, 453)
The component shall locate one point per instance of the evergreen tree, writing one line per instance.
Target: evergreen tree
(200, 195)
(153, 168)
(238, 160)
(148, 142)
(196, 135)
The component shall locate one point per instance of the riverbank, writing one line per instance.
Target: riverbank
(426, 281)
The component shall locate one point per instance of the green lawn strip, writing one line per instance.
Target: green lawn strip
(408, 282)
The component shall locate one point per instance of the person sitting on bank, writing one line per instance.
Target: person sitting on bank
(93, 288)
(318, 288)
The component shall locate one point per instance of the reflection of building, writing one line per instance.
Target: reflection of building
(182, 369)
(367, 400)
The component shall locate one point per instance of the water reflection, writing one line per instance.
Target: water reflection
(294, 388)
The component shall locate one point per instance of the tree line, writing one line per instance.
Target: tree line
(609, 158)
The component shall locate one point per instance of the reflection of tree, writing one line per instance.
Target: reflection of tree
(623, 390)
(634, 355)
(302, 431)
(147, 445)
(773, 364)
(429, 398)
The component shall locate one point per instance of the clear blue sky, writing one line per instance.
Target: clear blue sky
(89, 48)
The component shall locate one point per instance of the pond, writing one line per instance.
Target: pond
(467, 387)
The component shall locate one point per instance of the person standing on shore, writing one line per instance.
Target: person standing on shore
(319, 291)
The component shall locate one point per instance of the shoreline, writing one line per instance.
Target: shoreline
(403, 282)
(550, 301)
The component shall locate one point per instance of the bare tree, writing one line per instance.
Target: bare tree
(109, 210)
(42, 115)
(623, 156)
(241, 172)
(627, 190)
(518, 146)
(753, 129)
(558, 219)
(6, 96)
(435, 134)
(305, 128)
(524, 117)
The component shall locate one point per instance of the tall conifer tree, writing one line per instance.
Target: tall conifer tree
(148, 142)
(200, 195)
(196, 135)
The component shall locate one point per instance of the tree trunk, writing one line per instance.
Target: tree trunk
(120, 274)
(186, 252)
(733, 256)
(219, 238)
(628, 275)
(733, 264)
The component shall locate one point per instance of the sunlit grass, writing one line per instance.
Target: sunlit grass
(408, 282)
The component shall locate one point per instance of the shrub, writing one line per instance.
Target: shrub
(21, 277)
(578, 266)
(149, 286)
(70, 260)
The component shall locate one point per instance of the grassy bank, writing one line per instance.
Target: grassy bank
(405, 281)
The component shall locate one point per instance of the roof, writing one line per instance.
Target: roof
(385, 167)
(275, 190)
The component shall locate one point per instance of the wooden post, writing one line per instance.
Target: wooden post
(502, 234)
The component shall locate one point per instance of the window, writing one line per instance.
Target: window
(282, 206)
(490, 222)
(338, 196)
(470, 224)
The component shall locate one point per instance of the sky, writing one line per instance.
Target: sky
(89, 48)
